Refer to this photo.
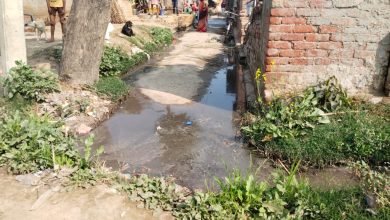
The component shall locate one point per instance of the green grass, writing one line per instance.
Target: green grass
(349, 137)
(112, 87)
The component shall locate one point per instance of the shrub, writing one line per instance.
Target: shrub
(112, 86)
(162, 36)
(31, 144)
(115, 61)
(28, 83)
(374, 183)
(294, 117)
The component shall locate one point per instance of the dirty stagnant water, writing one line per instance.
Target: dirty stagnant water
(160, 139)
(192, 142)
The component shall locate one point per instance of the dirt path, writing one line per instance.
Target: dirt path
(97, 203)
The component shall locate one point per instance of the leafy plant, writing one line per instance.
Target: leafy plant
(293, 117)
(114, 61)
(154, 193)
(350, 136)
(374, 183)
(31, 144)
(30, 84)
(112, 86)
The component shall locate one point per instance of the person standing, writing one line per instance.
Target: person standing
(203, 16)
(54, 7)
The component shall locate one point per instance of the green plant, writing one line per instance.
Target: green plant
(114, 62)
(30, 84)
(154, 193)
(29, 144)
(374, 183)
(349, 137)
(161, 36)
(293, 117)
(112, 86)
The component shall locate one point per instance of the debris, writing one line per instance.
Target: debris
(158, 128)
(376, 100)
(29, 179)
(45, 196)
(188, 123)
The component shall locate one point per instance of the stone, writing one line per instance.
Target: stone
(29, 179)
(83, 129)
(376, 100)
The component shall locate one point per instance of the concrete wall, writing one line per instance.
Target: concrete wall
(311, 40)
(38, 8)
(12, 42)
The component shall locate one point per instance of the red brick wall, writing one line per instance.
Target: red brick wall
(311, 40)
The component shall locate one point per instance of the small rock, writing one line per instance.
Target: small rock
(376, 100)
(83, 129)
(29, 179)
(370, 201)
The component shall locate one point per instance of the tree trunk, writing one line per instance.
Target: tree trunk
(84, 41)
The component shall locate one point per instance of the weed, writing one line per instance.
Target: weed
(114, 62)
(374, 182)
(29, 144)
(112, 86)
(30, 84)
(294, 117)
(349, 137)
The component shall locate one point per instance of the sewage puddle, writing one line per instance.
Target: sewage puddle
(191, 142)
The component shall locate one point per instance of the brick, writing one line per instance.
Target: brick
(293, 20)
(364, 54)
(316, 53)
(279, 44)
(341, 54)
(283, 12)
(275, 20)
(329, 45)
(354, 45)
(307, 12)
(372, 46)
(355, 30)
(339, 37)
(285, 68)
(281, 28)
(301, 61)
(272, 52)
(369, 38)
(343, 21)
(304, 29)
(317, 37)
(292, 53)
(319, 21)
(296, 4)
(353, 62)
(293, 37)
(322, 61)
(328, 29)
(320, 4)
(275, 36)
(277, 60)
(300, 45)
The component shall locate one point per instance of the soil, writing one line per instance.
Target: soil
(100, 202)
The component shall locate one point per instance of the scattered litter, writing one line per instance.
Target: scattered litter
(189, 123)
(158, 128)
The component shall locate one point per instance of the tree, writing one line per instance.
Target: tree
(84, 41)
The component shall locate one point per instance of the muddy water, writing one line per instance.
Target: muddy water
(193, 142)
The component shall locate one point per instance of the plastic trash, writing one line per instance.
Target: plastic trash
(188, 123)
